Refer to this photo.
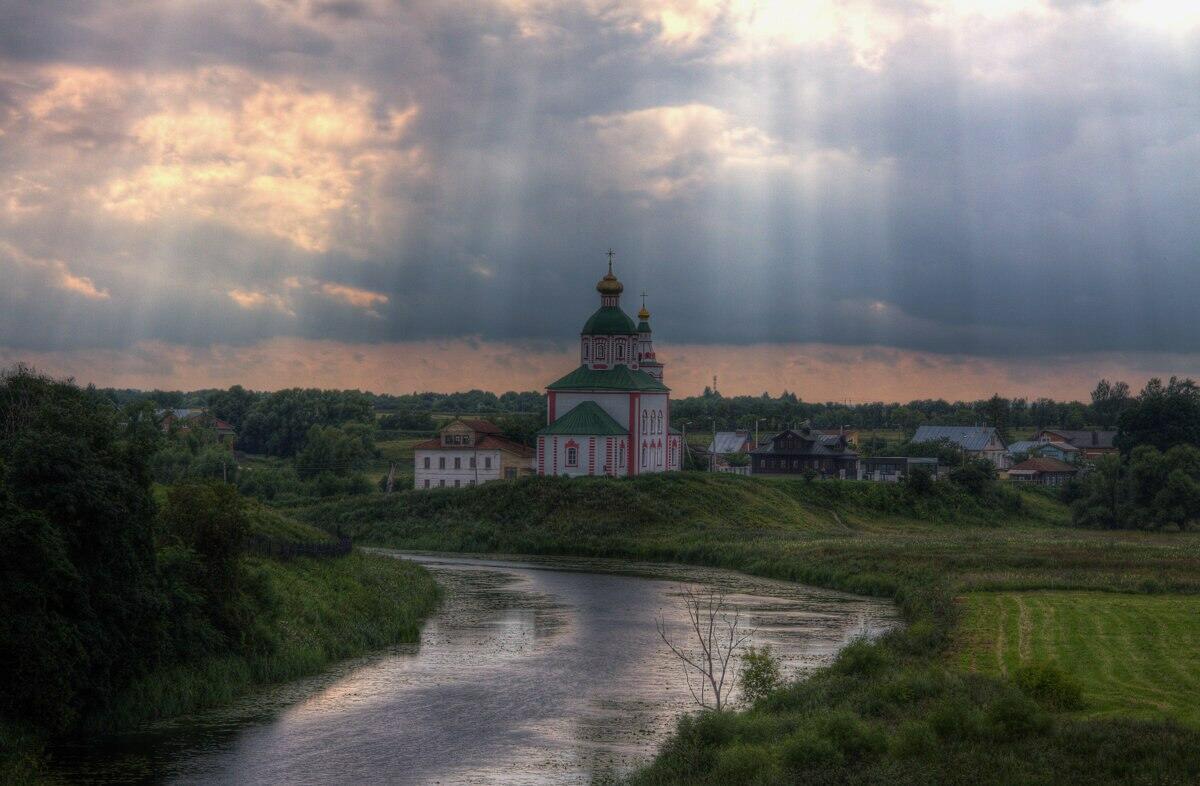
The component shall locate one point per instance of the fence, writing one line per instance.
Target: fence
(287, 549)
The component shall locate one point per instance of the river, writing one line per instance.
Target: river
(532, 671)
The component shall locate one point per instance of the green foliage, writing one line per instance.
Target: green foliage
(919, 481)
(277, 424)
(1162, 416)
(79, 601)
(914, 738)
(807, 749)
(977, 476)
(854, 737)
(1014, 716)
(1050, 687)
(1146, 490)
(760, 675)
(743, 763)
(861, 658)
(335, 450)
(945, 451)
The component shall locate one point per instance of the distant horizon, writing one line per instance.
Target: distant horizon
(815, 373)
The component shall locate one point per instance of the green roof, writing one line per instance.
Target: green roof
(586, 418)
(608, 321)
(616, 378)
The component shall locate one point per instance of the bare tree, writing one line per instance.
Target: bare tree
(715, 637)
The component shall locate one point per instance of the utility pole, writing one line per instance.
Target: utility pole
(391, 478)
(712, 454)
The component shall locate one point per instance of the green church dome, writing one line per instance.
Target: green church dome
(609, 321)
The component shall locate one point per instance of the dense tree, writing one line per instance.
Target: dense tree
(278, 423)
(1161, 416)
(1109, 400)
(1148, 489)
(337, 450)
(80, 607)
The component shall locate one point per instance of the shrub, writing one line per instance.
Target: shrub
(1050, 687)
(914, 738)
(861, 657)
(853, 737)
(1015, 716)
(956, 719)
(760, 674)
(742, 763)
(807, 750)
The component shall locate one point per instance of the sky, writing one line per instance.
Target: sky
(852, 200)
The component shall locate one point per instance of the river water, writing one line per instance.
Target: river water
(532, 671)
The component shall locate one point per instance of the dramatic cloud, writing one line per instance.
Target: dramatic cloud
(1001, 184)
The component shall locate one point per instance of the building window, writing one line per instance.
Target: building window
(572, 457)
(587, 349)
(643, 421)
(600, 353)
(487, 462)
(442, 463)
(471, 462)
(426, 482)
(457, 462)
(427, 462)
(620, 351)
(456, 483)
(470, 483)
(442, 483)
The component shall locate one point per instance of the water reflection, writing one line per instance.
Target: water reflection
(537, 671)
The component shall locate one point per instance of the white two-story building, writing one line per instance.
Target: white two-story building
(467, 453)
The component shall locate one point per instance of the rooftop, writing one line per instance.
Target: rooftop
(586, 418)
(619, 377)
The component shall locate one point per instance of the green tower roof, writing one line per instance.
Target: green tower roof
(608, 321)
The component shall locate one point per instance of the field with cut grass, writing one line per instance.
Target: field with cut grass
(1132, 655)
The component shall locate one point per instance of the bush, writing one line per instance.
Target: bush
(1015, 716)
(1050, 687)
(919, 482)
(956, 719)
(862, 658)
(760, 674)
(808, 750)
(742, 763)
(914, 738)
(852, 736)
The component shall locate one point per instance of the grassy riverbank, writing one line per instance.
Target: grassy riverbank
(316, 612)
(901, 711)
(327, 610)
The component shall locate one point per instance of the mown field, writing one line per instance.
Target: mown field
(1133, 655)
(899, 711)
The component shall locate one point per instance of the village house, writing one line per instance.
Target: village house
(612, 414)
(183, 420)
(1062, 451)
(801, 451)
(851, 434)
(1091, 444)
(893, 469)
(1042, 471)
(730, 443)
(977, 442)
(468, 453)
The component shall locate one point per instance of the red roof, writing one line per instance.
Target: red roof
(1043, 464)
(487, 442)
(483, 426)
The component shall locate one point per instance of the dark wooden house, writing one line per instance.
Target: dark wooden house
(798, 452)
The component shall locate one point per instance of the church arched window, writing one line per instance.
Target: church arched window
(620, 356)
(600, 350)
(587, 349)
(644, 430)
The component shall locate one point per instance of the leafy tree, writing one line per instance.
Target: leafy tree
(1162, 416)
(761, 674)
(919, 481)
(337, 450)
(978, 476)
(233, 405)
(1109, 400)
(79, 602)
(279, 423)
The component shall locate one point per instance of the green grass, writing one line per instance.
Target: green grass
(893, 712)
(1133, 655)
(329, 609)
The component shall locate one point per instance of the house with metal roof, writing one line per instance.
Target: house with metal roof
(1091, 444)
(981, 442)
(1043, 471)
(1062, 451)
(611, 414)
(800, 452)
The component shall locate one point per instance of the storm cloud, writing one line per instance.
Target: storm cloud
(1003, 180)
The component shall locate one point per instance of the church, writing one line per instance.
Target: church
(612, 414)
